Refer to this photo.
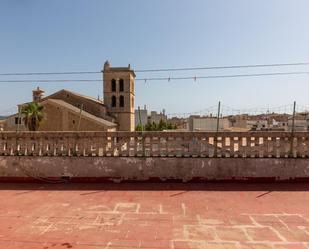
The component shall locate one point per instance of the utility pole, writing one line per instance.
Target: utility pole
(217, 129)
(18, 119)
(218, 116)
(292, 130)
(17, 129)
(140, 118)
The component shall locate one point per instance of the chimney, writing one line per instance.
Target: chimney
(37, 94)
(106, 66)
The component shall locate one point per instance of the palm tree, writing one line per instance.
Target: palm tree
(32, 115)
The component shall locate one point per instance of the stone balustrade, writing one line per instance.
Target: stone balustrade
(156, 144)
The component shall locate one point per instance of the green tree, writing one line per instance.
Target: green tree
(32, 115)
(148, 126)
(154, 126)
(139, 127)
(162, 125)
(170, 126)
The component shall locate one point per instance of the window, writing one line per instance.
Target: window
(113, 85)
(121, 85)
(73, 121)
(113, 101)
(121, 101)
(17, 121)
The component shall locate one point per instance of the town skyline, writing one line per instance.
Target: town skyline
(50, 38)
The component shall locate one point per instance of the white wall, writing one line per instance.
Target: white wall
(144, 117)
(208, 124)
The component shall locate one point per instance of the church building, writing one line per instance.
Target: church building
(69, 111)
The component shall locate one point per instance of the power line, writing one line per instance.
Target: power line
(163, 69)
(164, 78)
(224, 76)
(44, 81)
(208, 109)
(222, 67)
(47, 73)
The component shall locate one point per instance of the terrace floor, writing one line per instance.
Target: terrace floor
(154, 215)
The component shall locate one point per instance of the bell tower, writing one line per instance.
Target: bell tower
(118, 85)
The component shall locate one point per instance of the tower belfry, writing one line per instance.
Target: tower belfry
(118, 85)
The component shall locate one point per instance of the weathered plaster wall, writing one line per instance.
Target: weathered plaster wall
(89, 105)
(135, 168)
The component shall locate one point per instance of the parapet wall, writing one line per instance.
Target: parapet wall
(117, 169)
(117, 156)
(156, 144)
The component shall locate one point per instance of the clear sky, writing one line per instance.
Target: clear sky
(79, 35)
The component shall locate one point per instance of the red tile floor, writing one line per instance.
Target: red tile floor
(154, 215)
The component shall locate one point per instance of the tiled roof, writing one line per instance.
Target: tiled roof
(76, 94)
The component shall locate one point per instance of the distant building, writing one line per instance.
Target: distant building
(262, 122)
(141, 116)
(157, 117)
(280, 125)
(257, 125)
(13, 123)
(238, 121)
(301, 123)
(69, 111)
(180, 123)
(2, 123)
(198, 123)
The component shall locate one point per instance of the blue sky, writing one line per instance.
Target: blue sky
(79, 35)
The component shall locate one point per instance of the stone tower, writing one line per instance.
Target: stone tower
(118, 85)
(37, 94)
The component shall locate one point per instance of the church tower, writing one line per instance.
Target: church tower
(118, 85)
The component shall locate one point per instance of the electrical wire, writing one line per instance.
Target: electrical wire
(164, 78)
(164, 69)
(225, 76)
(222, 67)
(46, 73)
(45, 81)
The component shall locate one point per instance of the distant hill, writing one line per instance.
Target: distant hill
(3, 117)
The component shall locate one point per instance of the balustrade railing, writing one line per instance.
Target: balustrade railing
(156, 144)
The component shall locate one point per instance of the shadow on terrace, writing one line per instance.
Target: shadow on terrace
(153, 186)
